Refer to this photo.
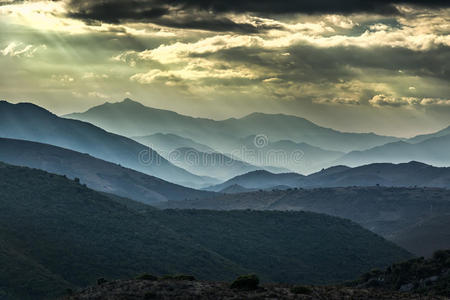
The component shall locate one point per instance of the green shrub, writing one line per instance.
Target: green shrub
(246, 282)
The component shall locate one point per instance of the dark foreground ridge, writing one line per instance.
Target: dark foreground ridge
(412, 279)
(185, 289)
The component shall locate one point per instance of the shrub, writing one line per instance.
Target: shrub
(246, 282)
(301, 290)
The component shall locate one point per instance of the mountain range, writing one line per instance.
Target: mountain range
(84, 235)
(30, 122)
(130, 118)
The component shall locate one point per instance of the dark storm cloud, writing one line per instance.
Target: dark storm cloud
(208, 14)
(332, 65)
(302, 6)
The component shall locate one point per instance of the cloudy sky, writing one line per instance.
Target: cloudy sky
(375, 66)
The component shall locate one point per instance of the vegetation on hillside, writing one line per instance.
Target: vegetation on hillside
(408, 216)
(424, 276)
(58, 234)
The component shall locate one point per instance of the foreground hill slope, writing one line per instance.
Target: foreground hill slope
(131, 118)
(30, 122)
(413, 279)
(97, 174)
(399, 214)
(84, 235)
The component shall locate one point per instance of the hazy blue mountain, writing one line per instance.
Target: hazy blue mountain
(409, 216)
(384, 174)
(97, 174)
(296, 157)
(164, 144)
(30, 122)
(213, 164)
(423, 137)
(84, 235)
(434, 151)
(260, 180)
(131, 118)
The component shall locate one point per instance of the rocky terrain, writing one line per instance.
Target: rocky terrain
(184, 289)
(413, 279)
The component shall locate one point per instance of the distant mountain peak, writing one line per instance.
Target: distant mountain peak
(129, 101)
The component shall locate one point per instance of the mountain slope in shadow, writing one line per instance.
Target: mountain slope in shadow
(30, 122)
(85, 235)
(97, 174)
(410, 216)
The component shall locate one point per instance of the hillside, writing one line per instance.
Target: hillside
(97, 174)
(395, 213)
(433, 151)
(84, 235)
(30, 122)
(382, 174)
(426, 236)
(260, 180)
(130, 118)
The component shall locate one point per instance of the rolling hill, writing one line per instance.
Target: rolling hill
(30, 122)
(404, 215)
(85, 235)
(382, 174)
(97, 174)
(130, 118)
(260, 180)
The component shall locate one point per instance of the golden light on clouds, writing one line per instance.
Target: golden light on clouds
(193, 59)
